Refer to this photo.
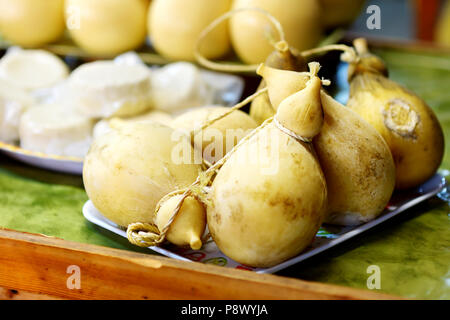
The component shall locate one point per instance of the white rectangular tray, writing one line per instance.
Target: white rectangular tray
(327, 237)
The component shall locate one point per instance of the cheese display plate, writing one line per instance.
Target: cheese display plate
(327, 237)
(69, 165)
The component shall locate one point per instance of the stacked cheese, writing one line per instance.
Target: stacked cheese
(54, 112)
(22, 72)
(13, 102)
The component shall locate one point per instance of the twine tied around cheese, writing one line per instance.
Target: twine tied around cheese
(230, 67)
(314, 70)
(148, 234)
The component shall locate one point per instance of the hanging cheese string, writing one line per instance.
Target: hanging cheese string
(238, 106)
(349, 54)
(230, 67)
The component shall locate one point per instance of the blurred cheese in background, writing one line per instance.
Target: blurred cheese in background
(32, 69)
(104, 89)
(179, 86)
(251, 32)
(55, 130)
(442, 35)
(32, 23)
(218, 138)
(106, 125)
(13, 102)
(174, 26)
(338, 13)
(107, 27)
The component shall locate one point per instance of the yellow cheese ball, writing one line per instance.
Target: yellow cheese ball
(175, 25)
(107, 27)
(129, 169)
(31, 23)
(251, 32)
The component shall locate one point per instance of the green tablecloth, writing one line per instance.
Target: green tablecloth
(412, 251)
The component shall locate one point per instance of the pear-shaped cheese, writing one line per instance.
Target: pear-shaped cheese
(189, 225)
(268, 200)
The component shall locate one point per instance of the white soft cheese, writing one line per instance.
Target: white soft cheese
(13, 102)
(180, 86)
(32, 69)
(55, 130)
(103, 89)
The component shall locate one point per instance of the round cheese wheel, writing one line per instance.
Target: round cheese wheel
(32, 69)
(103, 89)
(55, 130)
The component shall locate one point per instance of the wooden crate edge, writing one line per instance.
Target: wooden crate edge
(39, 264)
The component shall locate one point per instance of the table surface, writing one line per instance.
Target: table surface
(412, 251)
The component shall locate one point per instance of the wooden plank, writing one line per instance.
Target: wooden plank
(13, 294)
(39, 264)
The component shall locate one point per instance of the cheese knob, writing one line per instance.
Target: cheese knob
(189, 225)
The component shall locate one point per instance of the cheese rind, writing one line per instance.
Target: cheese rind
(103, 89)
(104, 126)
(55, 130)
(32, 69)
